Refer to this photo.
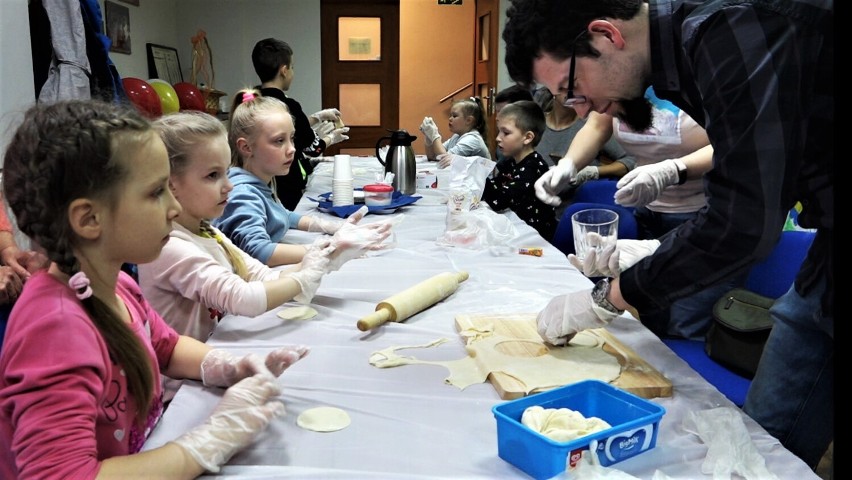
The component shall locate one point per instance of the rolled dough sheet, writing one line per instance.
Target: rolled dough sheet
(583, 359)
(323, 419)
(303, 312)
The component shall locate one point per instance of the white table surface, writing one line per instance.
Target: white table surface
(406, 422)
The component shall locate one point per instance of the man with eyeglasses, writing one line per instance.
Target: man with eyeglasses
(758, 76)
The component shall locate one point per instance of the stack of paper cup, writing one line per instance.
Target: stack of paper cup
(341, 183)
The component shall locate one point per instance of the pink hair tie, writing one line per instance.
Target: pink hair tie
(248, 96)
(81, 285)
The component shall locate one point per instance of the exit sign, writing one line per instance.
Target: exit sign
(449, 2)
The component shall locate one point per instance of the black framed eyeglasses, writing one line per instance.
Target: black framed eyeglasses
(570, 98)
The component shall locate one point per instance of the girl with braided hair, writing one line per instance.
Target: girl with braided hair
(80, 369)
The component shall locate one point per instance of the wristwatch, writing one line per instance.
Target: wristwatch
(599, 294)
(681, 172)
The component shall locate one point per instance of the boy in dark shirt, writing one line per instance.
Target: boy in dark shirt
(520, 126)
(273, 63)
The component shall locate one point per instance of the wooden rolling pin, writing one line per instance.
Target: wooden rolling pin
(413, 300)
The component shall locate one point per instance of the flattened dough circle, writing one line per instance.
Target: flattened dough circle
(297, 313)
(323, 419)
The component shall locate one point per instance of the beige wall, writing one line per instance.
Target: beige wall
(436, 58)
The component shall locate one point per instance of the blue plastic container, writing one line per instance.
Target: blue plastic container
(635, 423)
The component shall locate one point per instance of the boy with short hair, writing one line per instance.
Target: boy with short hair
(520, 126)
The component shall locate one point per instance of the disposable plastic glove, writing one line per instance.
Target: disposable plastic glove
(430, 130)
(330, 225)
(568, 314)
(220, 368)
(445, 160)
(314, 265)
(328, 114)
(644, 184)
(612, 259)
(323, 128)
(353, 241)
(552, 182)
(244, 411)
(336, 136)
(325, 224)
(587, 173)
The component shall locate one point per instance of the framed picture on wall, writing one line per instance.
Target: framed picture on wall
(163, 63)
(131, 2)
(117, 19)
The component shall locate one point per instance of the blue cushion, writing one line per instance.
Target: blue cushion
(729, 383)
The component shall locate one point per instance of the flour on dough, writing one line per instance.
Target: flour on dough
(583, 359)
(303, 312)
(323, 419)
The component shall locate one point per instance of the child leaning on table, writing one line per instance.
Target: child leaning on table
(261, 139)
(200, 275)
(467, 123)
(81, 363)
(512, 186)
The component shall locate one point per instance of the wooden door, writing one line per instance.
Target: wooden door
(485, 62)
(360, 68)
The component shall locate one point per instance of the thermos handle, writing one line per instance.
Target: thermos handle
(379, 144)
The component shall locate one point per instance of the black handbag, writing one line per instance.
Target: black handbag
(741, 325)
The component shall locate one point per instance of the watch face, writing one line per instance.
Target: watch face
(600, 291)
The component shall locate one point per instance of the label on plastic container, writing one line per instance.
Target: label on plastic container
(427, 179)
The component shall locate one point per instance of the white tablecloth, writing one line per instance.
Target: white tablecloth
(406, 422)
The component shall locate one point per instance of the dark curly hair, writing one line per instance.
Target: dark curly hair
(534, 27)
(65, 151)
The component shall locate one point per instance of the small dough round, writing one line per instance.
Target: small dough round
(298, 313)
(323, 419)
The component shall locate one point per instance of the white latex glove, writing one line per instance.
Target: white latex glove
(568, 314)
(314, 265)
(445, 160)
(430, 130)
(644, 184)
(220, 368)
(244, 411)
(587, 173)
(353, 241)
(552, 182)
(336, 136)
(613, 259)
(323, 128)
(328, 114)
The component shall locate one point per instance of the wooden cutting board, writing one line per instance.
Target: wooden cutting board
(637, 375)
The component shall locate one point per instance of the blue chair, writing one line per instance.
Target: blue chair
(771, 277)
(563, 239)
(596, 191)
